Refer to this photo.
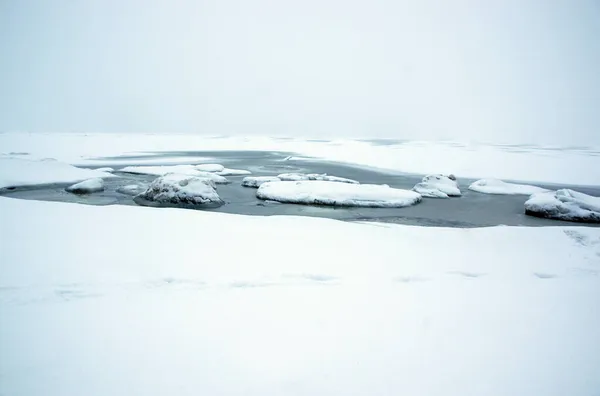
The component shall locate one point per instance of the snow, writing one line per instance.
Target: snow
(495, 186)
(87, 186)
(314, 176)
(131, 189)
(179, 169)
(543, 164)
(105, 169)
(234, 172)
(155, 304)
(564, 204)
(438, 186)
(256, 181)
(337, 194)
(15, 172)
(210, 167)
(175, 188)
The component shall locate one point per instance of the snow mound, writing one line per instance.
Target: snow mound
(438, 186)
(87, 187)
(105, 169)
(16, 172)
(210, 167)
(566, 205)
(131, 189)
(175, 188)
(337, 194)
(495, 186)
(189, 170)
(256, 181)
(233, 172)
(314, 177)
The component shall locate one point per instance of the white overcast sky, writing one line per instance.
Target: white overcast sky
(488, 70)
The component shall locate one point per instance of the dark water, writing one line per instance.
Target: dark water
(471, 210)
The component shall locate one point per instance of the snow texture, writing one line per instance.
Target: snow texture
(170, 302)
(189, 170)
(314, 176)
(210, 167)
(175, 188)
(495, 186)
(234, 172)
(15, 172)
(564, 204)
(105, 169)
(337, 194)
(87, 186)
(438, 186)
(256, 181)
(131, 189)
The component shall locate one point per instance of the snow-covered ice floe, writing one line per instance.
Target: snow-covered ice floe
(15, 172)
(175, 189)
(131, 189)
(209, 167)
(190, 170)
(87, 186)
(170, 302)
(256, 181)
(337, 194)
(438, 186)
(314, 176)
(233, 172)
(105, 169)
(495, 186)
(566, 205)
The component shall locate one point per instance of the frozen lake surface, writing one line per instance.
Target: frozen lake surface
(471, 210)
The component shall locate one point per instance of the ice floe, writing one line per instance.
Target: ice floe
(337, 194)
(564, 204)
(495, 186)
(189, 170)
(175, 188)
(438, 186)
(315, 177)
(87, 186)
(210, 167)
(16, 172)
(256, 181)
(131, 189)
(233, 172)
(105, 169)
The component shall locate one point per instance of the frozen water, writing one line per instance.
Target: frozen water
(495, 186)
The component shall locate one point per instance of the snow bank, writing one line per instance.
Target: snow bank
(495, 186)
(175, 188)
(324, 307)
(314, 176)
(337, 194)
(566, 205)
(256, 181)
(210, 167)
(15, 172)
(438, 186)
(87, 187)
(189, 170)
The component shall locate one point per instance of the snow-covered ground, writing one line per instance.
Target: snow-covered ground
(550, 164)
(337, 194)
(15, 172)
(141, 301)
(499, 187)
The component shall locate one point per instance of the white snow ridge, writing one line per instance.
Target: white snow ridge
(495, 186)
(176, 189)
(566, 205)
(337, 194)
(315, 177)
(438, 186)
(256, 181)
(87, 186)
